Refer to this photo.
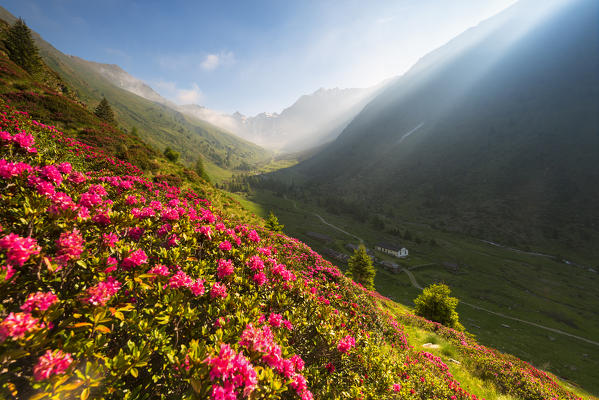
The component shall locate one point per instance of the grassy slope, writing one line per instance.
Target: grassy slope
(529, 287)
(158, 125)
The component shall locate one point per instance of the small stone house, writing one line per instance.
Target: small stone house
(391, 249)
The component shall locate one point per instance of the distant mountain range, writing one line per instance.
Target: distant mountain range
(495, 134)
(311, 121)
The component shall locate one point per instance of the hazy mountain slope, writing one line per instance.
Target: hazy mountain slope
(158, 124)
(496, 133)
(311, 121)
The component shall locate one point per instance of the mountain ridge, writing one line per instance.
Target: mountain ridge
(471, 153)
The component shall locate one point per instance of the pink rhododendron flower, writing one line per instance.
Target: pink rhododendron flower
(255, 263)
(259, 278)
(346, 344)
(136, 233)
(234, 370)
(109, 239)
(77, 177)
(70, 246)
(198, 287)
(19, 248)
(135, 259)
(396, 387)
(275, 320)
(100, 294)
(164, 229)
(8, 270)
(180, 279)
(297, 362)
(253, 236)
(16, 325)
(9, 170)
(97, 190)
(65, 168)
(39, 301)
(206, 231)
(52, 174)
(111, 264)
(160, 269)
(172, 241)
(225, 268)
(225, 245)
(51, 363)
(218, 291)
(287, 324)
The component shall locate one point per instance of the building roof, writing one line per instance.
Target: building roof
(389, 246)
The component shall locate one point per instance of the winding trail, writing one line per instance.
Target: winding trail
(417, 286)
(336, 227)
(414, 283)
(324, 221)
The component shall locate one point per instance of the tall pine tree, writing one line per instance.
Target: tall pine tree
(104, 111)
(361, 268)
(21, 48)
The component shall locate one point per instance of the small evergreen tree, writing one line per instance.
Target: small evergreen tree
(171, 154)
(361, 268)
(21, 48)
(272, 223)
(436, 305)
(200, 170)
(104, 111)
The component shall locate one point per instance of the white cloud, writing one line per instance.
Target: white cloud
(213, 61)
(193, 95)
(189, 96)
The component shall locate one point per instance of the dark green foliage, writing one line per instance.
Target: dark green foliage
(272, 223)
(171, 154)
(200, 170)
(361, 268)
(104, 111)
(435, 304)
(21, 48)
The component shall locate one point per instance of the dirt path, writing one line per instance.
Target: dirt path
(559, 332)
(336, 227)
(324, 221)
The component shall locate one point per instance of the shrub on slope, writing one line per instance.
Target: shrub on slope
(113, 286)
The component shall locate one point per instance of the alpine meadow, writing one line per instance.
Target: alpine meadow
(299, 200)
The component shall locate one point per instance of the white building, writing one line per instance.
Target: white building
(393, 250)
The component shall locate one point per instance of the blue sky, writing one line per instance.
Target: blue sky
(253, 56)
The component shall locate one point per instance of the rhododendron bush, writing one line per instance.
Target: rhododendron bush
(113, 286)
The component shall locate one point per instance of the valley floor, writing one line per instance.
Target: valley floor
(532, 306)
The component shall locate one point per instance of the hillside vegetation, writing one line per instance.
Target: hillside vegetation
(114, 286)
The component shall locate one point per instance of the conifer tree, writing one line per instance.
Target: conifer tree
(436, 305)
(361, 268)
(272, 223)
(104, 111)
(21, 48)
(200, 170)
